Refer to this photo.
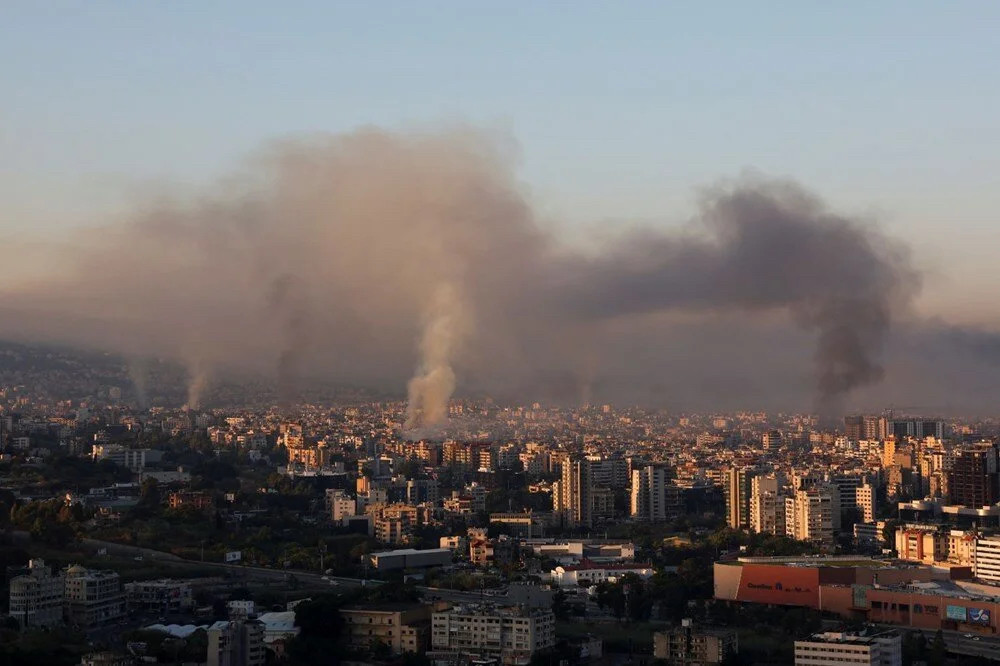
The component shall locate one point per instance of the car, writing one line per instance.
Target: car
(975, 638)
(967, 636)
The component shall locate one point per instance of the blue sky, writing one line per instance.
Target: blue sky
(621, 110)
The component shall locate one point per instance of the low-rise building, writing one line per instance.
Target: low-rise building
(164, 596)
(36, 599)
(840, 649)
(688, 645)
(512, 634)
(401, 627)
(407, 558)
(591, 573)
(93, 598)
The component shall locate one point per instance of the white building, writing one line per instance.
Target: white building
(842, 649)
(865, 497)
(278, 625)
(241, 608)
(809, 515)
(36, 599)
(986, 558)
(649, 493)
(93, 598)
(133, 459)
(511, 633)
(340, 504)
(590, 573)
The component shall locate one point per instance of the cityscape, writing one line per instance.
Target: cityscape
(448, 333)
(245, 535)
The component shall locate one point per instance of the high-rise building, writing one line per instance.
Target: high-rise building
(866, 428)
(839, 649)
(572, 497)
(649, 493)
(864, 500)
(972, 480)
(767, 506)
(809, 514)
(738, 490)
(36, 599)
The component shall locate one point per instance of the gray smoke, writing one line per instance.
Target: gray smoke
(360, 257)
(762, 246)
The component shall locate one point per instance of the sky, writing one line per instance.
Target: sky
(618, 112)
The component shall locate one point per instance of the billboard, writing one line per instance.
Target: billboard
(234, 556)
(979, 616)
(955, 613)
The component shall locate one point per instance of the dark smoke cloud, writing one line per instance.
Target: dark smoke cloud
(390, 260)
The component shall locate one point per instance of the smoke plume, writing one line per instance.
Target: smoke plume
(434, 383)
(360, 257)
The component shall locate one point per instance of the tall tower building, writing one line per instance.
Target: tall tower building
(738, 490)
(649, 493)
(573, 496)
(973, 478)
(864, 496)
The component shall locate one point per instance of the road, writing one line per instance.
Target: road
(959, 642)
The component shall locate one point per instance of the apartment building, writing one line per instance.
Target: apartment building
(36, 599)
(236, 643)
(93, 598)
(402, 627)
(511, 634)
(688, 645)
(841, 649)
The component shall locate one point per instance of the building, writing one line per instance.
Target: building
(36, 599)
(809, 514)
(236, 643)
(591, 573)
(512, 634)
(767, 506)
(571, 495)
(921, 543)
(649, 493)
(973, 479)
(93, 598)
(408, 558)
(183, 498)
(738, 489)
(340, 504)
(864, 499)
(690, 646)
(401, 627)
(162, 596)
(986, 558)
(840, 649)
(525, 525)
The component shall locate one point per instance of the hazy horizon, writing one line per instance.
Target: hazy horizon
(642, 203)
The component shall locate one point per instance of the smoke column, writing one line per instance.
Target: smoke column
(138, 372)
(198, 378)
(430, 389)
